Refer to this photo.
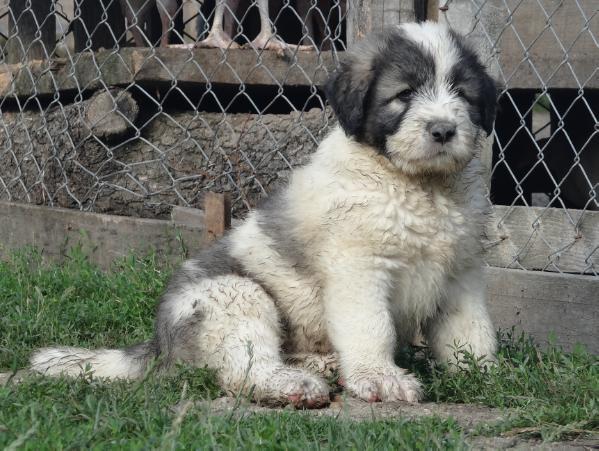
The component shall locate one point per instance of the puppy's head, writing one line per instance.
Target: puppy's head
(418, 95)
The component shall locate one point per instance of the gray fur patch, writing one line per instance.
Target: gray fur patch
(214, 261)
(142, 350)
(275, 223)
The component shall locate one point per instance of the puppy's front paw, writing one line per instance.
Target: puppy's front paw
(384, 384)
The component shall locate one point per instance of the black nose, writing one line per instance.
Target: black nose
(442, 131)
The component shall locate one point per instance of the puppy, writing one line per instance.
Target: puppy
(378, 236)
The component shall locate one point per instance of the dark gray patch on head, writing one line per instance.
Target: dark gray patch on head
(472, 82)
(377, 71)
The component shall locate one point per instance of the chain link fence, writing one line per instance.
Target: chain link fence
(133, 106)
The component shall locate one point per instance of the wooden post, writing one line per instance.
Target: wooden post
(26, 17)
(359, 20)
(92, 31)
(217, 215)
(364, 16)
(432, 10)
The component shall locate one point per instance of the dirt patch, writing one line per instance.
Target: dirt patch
(468, 416)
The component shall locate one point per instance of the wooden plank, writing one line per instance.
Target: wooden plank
(432, 10)
(538, 238)
(195, 217)
(541, 304)
(537, 44)
(551, 42)
(187, 215)
(160, 66)
(365, 16)
(152, 67)
(386, 13)
(24, 20)
(359, 20)
(105, 237)
(217, 215)
(537, 303)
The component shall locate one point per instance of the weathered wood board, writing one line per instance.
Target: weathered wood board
(366, 16)
(538, 44)
(549, 239)
(538, 303)
(105, 237)
(163, 66)
(542, 303)
(549, 43)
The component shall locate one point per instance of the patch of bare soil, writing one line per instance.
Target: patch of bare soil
(468, 416)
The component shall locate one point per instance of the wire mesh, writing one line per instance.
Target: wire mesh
(546, 146)
(133, 106)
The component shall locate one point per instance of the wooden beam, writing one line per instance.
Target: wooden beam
(104, 237)
(543, 304)
(538, 238)
(26, 19)
(193, 217)
(555, 46)
(538, 303)
(160, 66)
(156, 67)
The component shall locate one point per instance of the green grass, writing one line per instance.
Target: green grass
(84, 414)
(552, 393)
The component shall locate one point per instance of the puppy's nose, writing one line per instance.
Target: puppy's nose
(442, 131)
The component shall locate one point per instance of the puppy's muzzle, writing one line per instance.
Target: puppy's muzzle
(442, 131)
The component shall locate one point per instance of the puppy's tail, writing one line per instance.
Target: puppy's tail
(128, 363)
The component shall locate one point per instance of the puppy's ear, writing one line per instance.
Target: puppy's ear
(488, 107)
(347, 90)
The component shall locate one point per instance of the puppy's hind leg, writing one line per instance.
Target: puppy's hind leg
(240, 337)
(463, 321)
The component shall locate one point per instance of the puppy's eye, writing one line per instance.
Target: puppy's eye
(406, 94)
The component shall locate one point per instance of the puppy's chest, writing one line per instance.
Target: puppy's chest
(413, 224)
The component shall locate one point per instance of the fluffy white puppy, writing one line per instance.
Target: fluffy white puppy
(377, 237)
